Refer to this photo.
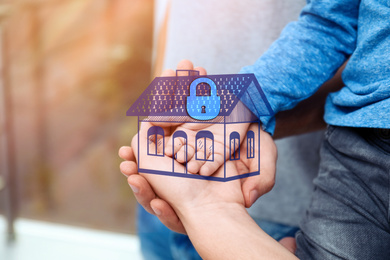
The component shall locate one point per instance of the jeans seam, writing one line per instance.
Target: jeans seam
(329, 131)
(388, 206)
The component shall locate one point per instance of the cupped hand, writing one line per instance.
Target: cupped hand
(258, 185)
(251, 188)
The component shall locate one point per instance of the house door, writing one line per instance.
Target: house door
(183, 141)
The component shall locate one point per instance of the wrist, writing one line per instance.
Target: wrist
(226, 231)
(193, 216)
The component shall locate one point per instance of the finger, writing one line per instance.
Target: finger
(142, 190)
(209, 166)
(134, 144)
(185, 65)
(167, 215)
(183, 156)
(201, 70)
(126, 153)
(174, 145)
(241, 167)
(256, 186)
(168, 73)
(128, 168)
(161, 142)
(178, 148)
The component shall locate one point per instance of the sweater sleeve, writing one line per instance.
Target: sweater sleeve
(307, 53)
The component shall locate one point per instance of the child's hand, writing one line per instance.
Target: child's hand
(184, 193)
(194, 166)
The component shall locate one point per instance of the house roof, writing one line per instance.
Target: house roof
(166, 96)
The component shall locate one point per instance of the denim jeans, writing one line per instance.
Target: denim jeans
(160, 243)
(349, 214)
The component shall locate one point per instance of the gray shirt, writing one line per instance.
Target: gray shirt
(221, 37)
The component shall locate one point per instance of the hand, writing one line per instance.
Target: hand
(207, 209)
(256, 186)
(182, 193)
(252, 187)
(144, 193)
(199, 166)
(192, 193)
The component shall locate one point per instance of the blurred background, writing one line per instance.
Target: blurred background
(69, 71)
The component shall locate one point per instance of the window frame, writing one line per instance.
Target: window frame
(234, 154)
(250, 144)
(156, 130)
(203, 135)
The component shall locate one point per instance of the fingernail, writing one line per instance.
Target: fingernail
(134, 189)
(253, 196)
(156, 211)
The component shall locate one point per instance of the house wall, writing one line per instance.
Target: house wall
(151, 150)
(246, 151)
(204, 138)
(211, 141)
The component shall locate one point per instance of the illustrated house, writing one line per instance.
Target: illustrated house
(166, 100)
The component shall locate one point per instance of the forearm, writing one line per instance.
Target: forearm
(307, 54)
(226, 231)
(308, 115)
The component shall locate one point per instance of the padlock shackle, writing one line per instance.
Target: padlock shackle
(210, 82)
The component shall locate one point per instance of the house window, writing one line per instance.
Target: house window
(183, 154)
(250, 144)
(234, 146)
(156, 141)
(204, 146)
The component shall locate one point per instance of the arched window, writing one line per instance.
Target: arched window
(204, 141)
(234, 146)
(175, 138)
(156, 141)
(250, 144)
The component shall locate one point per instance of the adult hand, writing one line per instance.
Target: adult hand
(256, 186)
(181, 193)
(144, 193)
(207, 208)
(252, 187)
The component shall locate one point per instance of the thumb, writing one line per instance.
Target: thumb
(256, 186)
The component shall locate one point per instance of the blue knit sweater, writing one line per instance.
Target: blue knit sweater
(310, 51)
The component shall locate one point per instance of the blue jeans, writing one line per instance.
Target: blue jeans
(160, 243)
(349, 214)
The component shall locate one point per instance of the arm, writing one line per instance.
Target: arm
(308, 115)
(213, 213)
(226, 231)
(251, 188)
(307, 54)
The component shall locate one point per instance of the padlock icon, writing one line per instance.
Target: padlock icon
(203, 107)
